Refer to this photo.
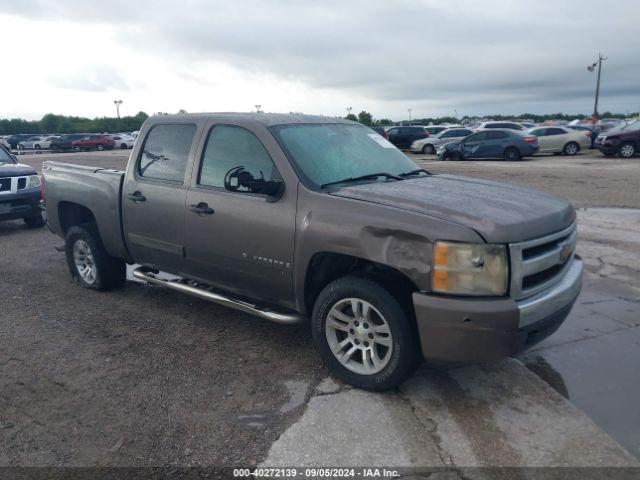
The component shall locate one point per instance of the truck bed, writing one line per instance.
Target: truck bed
(96, 189)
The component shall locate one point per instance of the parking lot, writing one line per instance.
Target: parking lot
(144, 376)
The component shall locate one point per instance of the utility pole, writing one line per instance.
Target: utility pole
(591, 68)
(118, 103)
(409, 110)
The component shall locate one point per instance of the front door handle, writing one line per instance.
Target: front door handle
(136, 197)
(201, 209)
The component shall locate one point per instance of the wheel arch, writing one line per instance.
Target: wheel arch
(325, 267)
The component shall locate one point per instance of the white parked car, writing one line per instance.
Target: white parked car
(36, 143)
(431, 144)
(508, 125)
(565, 140)
(123, 140)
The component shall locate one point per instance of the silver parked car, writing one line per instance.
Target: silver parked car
(565, 140)
(431, 144)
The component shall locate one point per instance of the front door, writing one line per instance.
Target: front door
(154, 196)
(238, 240)
(472, 145)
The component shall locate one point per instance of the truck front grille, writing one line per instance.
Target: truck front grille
(5, 184)
(540, 263)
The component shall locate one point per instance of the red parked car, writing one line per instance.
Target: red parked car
(94, 142)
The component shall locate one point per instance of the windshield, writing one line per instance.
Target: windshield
(5, 157)
(326, 153)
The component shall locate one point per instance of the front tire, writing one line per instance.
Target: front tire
(363, 334)
(89, 263)
(100, 147)
(123, 146)
(571, 148)
(627, 150)
(512, 154)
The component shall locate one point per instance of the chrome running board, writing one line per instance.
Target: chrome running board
(149, 275)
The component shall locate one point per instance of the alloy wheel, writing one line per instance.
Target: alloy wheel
(359, 336)
(84, 261)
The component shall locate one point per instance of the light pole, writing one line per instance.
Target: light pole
(592, 68)
(349, 110)
(409, 110)
(258, 107)
(118, 103)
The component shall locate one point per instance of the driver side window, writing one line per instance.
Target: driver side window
(228, 147)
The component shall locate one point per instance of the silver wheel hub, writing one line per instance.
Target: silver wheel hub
(626, 151)
(359, 336)
(84, 261)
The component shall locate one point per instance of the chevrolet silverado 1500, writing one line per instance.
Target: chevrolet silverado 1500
(295, 217)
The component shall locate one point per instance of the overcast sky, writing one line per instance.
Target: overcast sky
(75, 57)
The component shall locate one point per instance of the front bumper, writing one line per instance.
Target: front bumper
(23, 204)
(474, 330)
(608, 148)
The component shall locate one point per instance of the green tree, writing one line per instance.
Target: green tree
(365, 118)
(352, 117)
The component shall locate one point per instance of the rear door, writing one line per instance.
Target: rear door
(494, 145)
(556, 138)
(395, 136)
(241, 242)
(154, 194)
(543, 140)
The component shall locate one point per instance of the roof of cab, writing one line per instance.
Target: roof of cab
(267, 119)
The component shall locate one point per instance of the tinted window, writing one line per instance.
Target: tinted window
(540, 132)
(496, 135)
(229, 147)
(393, 131)
(555, 131)
(165, 152)
(464, 133)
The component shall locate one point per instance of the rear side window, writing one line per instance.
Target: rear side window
(496, 135)
(555, 131)
(165, 152)
(229, 147)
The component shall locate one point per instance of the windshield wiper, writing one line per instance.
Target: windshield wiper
(369, 176)
(414, 172)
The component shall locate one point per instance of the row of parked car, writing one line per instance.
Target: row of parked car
(70, 142)
(512, 140)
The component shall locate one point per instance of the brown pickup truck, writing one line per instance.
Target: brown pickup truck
(296, 217)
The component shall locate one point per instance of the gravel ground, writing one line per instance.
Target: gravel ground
(143, 376)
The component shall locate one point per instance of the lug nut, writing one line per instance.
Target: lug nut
(366, 344)
(371, 335)
(357, 342)
(351, 331)
(366, 325)
(356, 323)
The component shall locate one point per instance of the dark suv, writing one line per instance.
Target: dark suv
(624, 141)
(403, 137)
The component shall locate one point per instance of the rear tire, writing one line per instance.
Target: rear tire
(123, 146)
(571, 148)
(511, 154)
(100, 147)
(89, 263)
(627, 150)
(371, 333)
(34, 221)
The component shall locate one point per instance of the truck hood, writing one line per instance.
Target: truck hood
(15, 170)
(499, 212)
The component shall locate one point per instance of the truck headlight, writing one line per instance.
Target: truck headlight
(33, 181)
(470, 269)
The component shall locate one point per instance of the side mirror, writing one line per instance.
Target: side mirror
(238, 177)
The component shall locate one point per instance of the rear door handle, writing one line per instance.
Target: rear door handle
(202, 209)
(136, 197)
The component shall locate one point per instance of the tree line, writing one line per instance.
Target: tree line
(51, 123)
(366, 118)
